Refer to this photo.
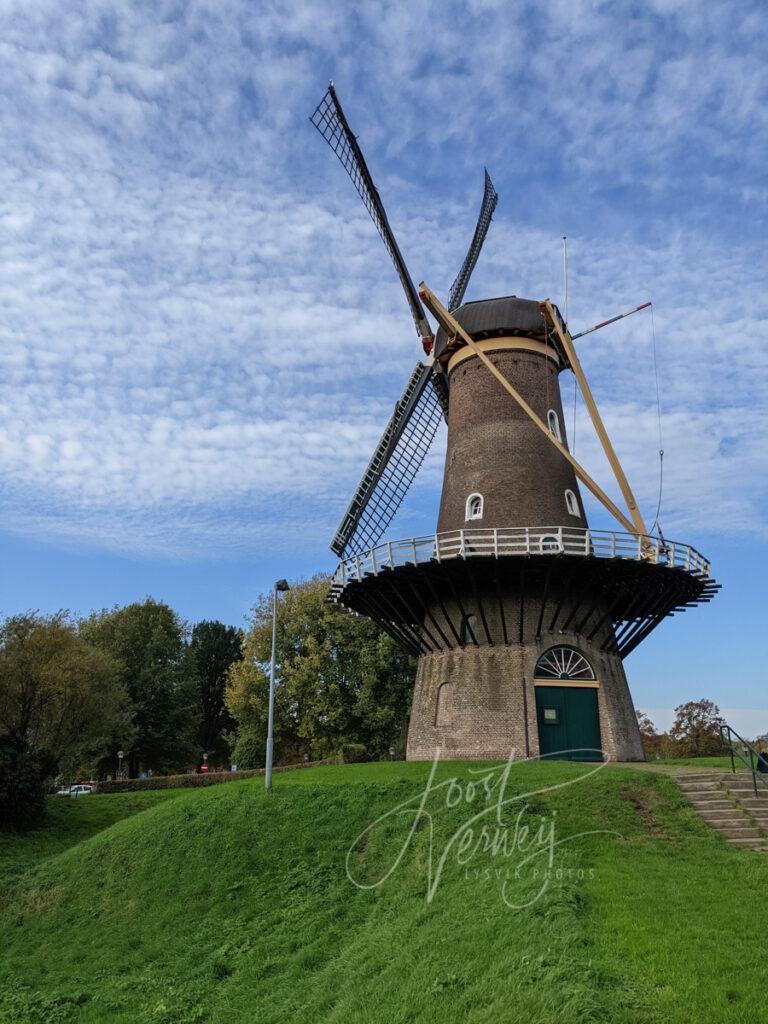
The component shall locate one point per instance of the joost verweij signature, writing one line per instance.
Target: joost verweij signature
(491, 829)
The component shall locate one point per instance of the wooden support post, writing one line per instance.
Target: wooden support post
(453, 328)
(568, 347)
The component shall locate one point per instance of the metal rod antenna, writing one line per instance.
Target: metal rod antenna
(613, 320)
(565, 307)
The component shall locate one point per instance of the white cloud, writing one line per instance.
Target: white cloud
(201, 337)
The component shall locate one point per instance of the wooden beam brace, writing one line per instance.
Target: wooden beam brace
(566, 341)
(428, 612)
(478, 602)
(464, 616)
(544, 597)
(436, 595)
(500, 599)
(453, 328)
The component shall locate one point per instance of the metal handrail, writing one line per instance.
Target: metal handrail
(521, 540)
(726, 734)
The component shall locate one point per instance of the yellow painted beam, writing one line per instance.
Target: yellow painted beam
(454, 329)
(570, 350)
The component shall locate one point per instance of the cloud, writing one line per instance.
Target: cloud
(201, 335)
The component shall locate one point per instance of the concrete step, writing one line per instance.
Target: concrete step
(742, 833)
(757, 844)
(712, 805)
(699, 776)
(697, 787)
(722, 814)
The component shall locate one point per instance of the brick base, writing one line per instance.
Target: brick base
(479, 703)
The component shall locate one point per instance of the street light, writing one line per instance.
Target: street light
(120, 756)
(280, 587)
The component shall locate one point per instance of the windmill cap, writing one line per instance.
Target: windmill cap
(489, 318)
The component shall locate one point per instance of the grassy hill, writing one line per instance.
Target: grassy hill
(232, 905)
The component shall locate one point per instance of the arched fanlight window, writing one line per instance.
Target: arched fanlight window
(549, 543)
(554, 424)
(571, 503)
(564, 663)
(474, 507)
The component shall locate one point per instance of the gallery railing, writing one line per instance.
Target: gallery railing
(746, 753)
(521, 540)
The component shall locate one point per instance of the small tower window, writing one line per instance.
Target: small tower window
(474, 507)
(554, 424)
(549, 544)
(571, 503)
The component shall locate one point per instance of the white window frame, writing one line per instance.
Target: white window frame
(553, 422)
(572, 502)
(469, 515)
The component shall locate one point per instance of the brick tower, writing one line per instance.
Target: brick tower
(479, 699)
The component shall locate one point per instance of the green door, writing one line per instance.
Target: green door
(569, 725)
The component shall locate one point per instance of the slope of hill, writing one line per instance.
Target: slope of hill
(233, 905)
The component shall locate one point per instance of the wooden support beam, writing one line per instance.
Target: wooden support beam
(478, 602)
(500, 599)
(428, 612)
(521, 605)
(544, 597)
(464, 617)
(436, 595)
(564, 592)
(566, 341)
(453, 329)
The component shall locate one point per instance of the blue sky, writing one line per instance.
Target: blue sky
(201, 336)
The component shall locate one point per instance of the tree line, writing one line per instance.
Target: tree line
(695, 732)
(139, 680)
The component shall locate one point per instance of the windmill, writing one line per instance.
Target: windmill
(519, 613)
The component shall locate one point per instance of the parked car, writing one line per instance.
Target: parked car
(82, 790)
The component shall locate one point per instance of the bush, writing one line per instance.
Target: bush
(193, 781)
(249, 752)
(22, 789)
(352, 753)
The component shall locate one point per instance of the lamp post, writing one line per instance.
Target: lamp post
(280, 587)
(120, 756)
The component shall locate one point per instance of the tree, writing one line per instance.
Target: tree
(60, 700)
(648, 734)
(147, 641)
(340, 679)
(213, 647)
(696, 728)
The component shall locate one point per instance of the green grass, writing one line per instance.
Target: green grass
(704, 763)
(69, 820)
(232, 905)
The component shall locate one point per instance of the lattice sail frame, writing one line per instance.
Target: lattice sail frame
(412, 428)
(396, 460)
(330, 121)
(488, 205)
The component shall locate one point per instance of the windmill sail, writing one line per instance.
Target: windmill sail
(330, 121)
(395, 462)
(488, 205)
